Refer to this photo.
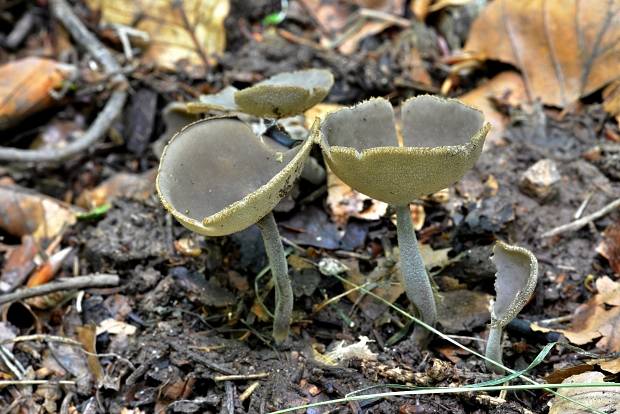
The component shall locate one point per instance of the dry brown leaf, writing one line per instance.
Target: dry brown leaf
(611, 100)
(190, 30)
(420, 8)
(25, 87)
(609, 247)
(135, 186)
(605, 399)
(319, 111)
(18, 263)
(345, 202)
(507, 87)
(24, 212)
(418, 216)
(599, 318)
(463, 310)
(565, 49)
(612, 366)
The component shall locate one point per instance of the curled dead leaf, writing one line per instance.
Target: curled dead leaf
(603, 399)
(505, 88)
(134, 186)
(609, 247)
(599, 318)
(565, 49)
(24, 212)
(190, 31)
(25, 87)
(344, 202)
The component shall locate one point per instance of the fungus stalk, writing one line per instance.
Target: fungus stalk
(417, 283)
(494, 348)
(279, 272)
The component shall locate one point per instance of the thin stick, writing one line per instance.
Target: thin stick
(62, 11)
(241, 377)
(577, 224)
(34, 382)
(80, 282)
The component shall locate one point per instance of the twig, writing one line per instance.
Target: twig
(241, 377)
(62, 11)
(248, 391)
(80, 282)
(577, 224)
(199, 358)
(34, 382)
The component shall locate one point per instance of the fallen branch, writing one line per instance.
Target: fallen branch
(577, 224)
(62, 11)
(80, 282)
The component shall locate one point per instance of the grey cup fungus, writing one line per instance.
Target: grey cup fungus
(441, 140)
(282, 95)
(515, 281)
(217, 177)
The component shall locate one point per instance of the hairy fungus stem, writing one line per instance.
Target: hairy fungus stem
(279, 271)
(417, 283)
(494, 348)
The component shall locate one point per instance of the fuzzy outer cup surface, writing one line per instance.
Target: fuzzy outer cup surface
(441, 140)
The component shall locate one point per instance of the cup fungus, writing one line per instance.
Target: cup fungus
(217, 177)
(441, 140)
(515, 281)
(282, 95)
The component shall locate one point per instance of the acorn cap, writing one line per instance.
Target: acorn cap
(442, 139)
(515, 281)
(285, 94)
(217, 177)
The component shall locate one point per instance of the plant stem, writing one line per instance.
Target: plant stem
(494, 349)
(417, 283)
(279, 272)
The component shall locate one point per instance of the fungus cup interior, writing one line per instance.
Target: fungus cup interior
(282, 95)
(515, 280)
(217, 177)
(442, 139)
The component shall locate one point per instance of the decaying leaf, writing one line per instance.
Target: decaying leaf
(603, 399)
(599, 318)
(23, 212)
(565, 49)
(134, 186)
(345, 202)
(188, 31)
(48, 270)
(319, 111)
(25, 87)
(418, 216)
(507, 88)
(611, 99)
(463, 310)
(18, 263)
(609, 247)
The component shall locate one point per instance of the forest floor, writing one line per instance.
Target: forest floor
(185, 330)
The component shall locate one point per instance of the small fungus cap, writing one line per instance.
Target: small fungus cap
(515, 281)
(285, 94)
(441, 140)
(217, 177)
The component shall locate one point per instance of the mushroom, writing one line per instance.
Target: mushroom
(280, 96)
(442, 139)
(217, 177)
(515, 281)
(175, 117)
